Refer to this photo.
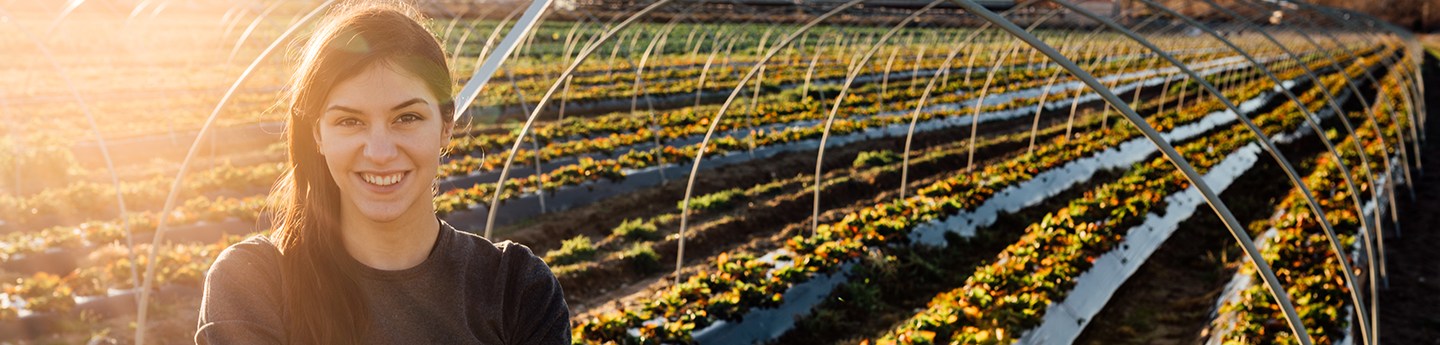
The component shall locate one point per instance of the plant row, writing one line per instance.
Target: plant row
(735, 287)
(1299, 251)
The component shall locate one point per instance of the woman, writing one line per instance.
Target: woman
(358, 254)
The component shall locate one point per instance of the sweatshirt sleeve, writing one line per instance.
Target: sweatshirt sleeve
(241, 303)
(541, 315)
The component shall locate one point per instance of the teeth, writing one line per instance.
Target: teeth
(382, 180)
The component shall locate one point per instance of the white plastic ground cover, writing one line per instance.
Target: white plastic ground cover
(1064, 321)
(1054, 181)
(763, 324)
(527, 205)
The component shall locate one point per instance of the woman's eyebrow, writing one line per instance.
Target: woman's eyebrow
(344, 109)
(402, 105)
(408, 103)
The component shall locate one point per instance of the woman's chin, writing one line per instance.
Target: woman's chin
(380, 212)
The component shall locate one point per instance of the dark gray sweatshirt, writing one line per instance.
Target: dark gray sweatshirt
(467, 291)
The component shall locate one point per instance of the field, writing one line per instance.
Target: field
(861, 174)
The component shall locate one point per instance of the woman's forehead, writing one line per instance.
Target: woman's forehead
(379, 87)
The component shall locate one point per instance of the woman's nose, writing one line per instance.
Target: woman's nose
(380, 146)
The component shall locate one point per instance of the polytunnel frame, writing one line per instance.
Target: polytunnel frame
(1414, 82)
(685, 203)
(1403, 150)
(1290, 172)
(719, 114)
(1345, 172)
(1231, 222)
(859, 66)
(1350, 84)
(472, 88)
(1039, 107)
(1415, 54)
(1400, 137)
(1366, 224)
(1306, 193)
(94, 129)
(497, 59)
(1380, 135)
(1110, 97)
(930, 87)
(915, 114)
(1370, 114)
(839, 100)
(1399, 132)
(1329, 147)
(1374, 232)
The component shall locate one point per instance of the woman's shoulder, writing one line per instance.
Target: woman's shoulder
(256, 253)
(245, 266)
(506, 252)
(241, 302)
(530, 299)
(258, 244)
(514, 261)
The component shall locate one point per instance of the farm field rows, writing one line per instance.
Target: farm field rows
(884, 176)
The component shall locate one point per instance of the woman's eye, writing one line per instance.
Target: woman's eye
(348, 122)
(407, 118)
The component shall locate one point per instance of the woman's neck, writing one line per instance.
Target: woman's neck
(395, 245)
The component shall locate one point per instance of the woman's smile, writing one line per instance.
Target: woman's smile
(383, 182)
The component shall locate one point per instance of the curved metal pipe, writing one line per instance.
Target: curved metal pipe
(1279, 157)
(945, 65)
(1376, 240)
(1231, 223)
(1416, 53)
(1399, 133)
(94, 130)
(1333, 104)
(494, 205)
(1370, 247)
(161, 225)
(1380, 134)
(840, 99)
(1370, 114)
(715, 123)
(1345, 171)
(492, 63)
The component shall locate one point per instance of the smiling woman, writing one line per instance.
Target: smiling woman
(358, 254)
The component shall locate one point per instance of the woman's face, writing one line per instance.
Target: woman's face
(381, 132)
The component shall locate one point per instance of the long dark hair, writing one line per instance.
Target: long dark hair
(321, 297)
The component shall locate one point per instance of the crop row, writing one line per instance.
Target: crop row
(742, 282)
(1011, 294)
(1310, 272)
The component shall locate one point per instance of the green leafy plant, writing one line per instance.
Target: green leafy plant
(576, 249)
(641, 256)
(636, 229)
